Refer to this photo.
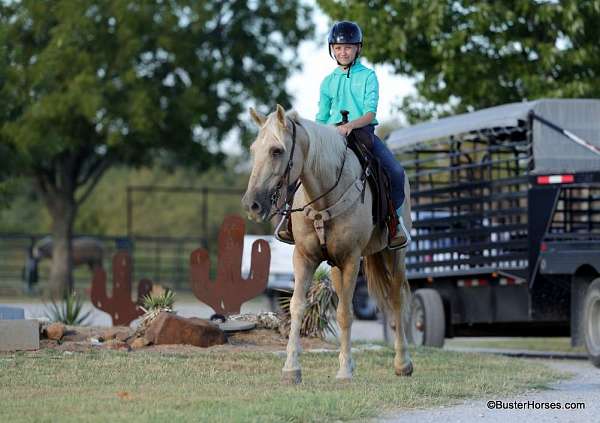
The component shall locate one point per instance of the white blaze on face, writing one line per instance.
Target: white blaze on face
(269, 160)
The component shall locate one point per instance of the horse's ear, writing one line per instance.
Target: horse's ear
(281, 115)
(257, 117)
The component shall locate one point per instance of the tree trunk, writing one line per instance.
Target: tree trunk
(61, 274)
(58, 185)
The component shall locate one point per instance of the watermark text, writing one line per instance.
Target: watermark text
(534, 405)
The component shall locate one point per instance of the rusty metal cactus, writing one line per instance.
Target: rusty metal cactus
(120, 307)
(227, 293)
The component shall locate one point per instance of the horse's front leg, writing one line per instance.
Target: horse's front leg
(303, 273)
(344, 283)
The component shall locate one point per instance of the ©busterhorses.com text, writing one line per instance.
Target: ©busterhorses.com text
(534, 405)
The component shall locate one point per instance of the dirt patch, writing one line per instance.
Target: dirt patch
(84, 339)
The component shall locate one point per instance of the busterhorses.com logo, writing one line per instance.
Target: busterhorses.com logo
(534, 405)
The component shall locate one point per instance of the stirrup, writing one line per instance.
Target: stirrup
(399, 246)
(283, 230)
(400, 230)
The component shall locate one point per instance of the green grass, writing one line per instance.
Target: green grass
(530, 344)
(210, 386)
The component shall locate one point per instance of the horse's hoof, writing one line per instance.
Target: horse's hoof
(406, 370)
(343, 376)
(291, 377)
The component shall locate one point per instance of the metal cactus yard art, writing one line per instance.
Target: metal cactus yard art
(120, 307)
(227, 293)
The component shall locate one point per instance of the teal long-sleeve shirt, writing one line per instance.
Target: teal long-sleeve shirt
(358, 94)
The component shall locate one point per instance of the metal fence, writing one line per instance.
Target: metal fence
(161, 259)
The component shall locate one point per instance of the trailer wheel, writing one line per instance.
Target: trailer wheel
(427, 321)
(365, 307)
(591, 322)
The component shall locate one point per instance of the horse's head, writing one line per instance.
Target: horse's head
(271, 157)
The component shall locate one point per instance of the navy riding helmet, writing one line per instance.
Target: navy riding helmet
(345, 32)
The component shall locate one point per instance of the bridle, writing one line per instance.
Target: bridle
(291, 188)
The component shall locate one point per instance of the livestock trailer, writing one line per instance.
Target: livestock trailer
(506, 222)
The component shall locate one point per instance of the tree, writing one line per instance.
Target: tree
(471, 54)
(7, 169)
(89, 84)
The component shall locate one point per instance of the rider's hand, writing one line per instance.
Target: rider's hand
(345, 129)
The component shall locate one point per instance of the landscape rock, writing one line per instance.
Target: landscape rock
(55, 331)
(123, 335)
(43, 322)
(263, 320)
(115, 344)
(120, 333)
(168, 328)
(74, 334)
(138, 343)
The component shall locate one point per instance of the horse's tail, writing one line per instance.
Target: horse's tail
(386, 279)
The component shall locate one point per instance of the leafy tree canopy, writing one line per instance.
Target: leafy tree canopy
(88, 84)
(475, 54)
(84, 83)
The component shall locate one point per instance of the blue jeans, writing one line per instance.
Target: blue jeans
(392, 167)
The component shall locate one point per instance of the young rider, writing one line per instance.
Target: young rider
(354, 87)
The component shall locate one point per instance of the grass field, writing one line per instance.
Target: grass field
(208, 386)
(531, 344)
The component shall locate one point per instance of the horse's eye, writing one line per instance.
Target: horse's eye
(276, 152)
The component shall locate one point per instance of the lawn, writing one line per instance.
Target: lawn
(220, 386)
(559, 344)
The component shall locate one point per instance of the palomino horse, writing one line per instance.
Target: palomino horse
(316, 155)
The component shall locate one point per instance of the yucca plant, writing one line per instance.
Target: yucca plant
(69, 311)
(321, 302)
(155, 302)
(159, 298)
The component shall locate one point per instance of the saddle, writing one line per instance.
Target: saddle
(360, 141)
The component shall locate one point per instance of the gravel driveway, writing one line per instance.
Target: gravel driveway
(583, 388)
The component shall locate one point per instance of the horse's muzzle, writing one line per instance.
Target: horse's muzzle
(257, 205)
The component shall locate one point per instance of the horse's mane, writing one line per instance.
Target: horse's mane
(325, 147)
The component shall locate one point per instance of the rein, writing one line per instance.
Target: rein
(291, 189)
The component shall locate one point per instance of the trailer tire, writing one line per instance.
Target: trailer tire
(591, 321)
(427, 321)
(365, 307)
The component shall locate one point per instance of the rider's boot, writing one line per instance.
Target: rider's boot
(402, 237)
(283, 231)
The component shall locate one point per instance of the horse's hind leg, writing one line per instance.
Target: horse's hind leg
(344, 283)
(303, 273)
(400, 300)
